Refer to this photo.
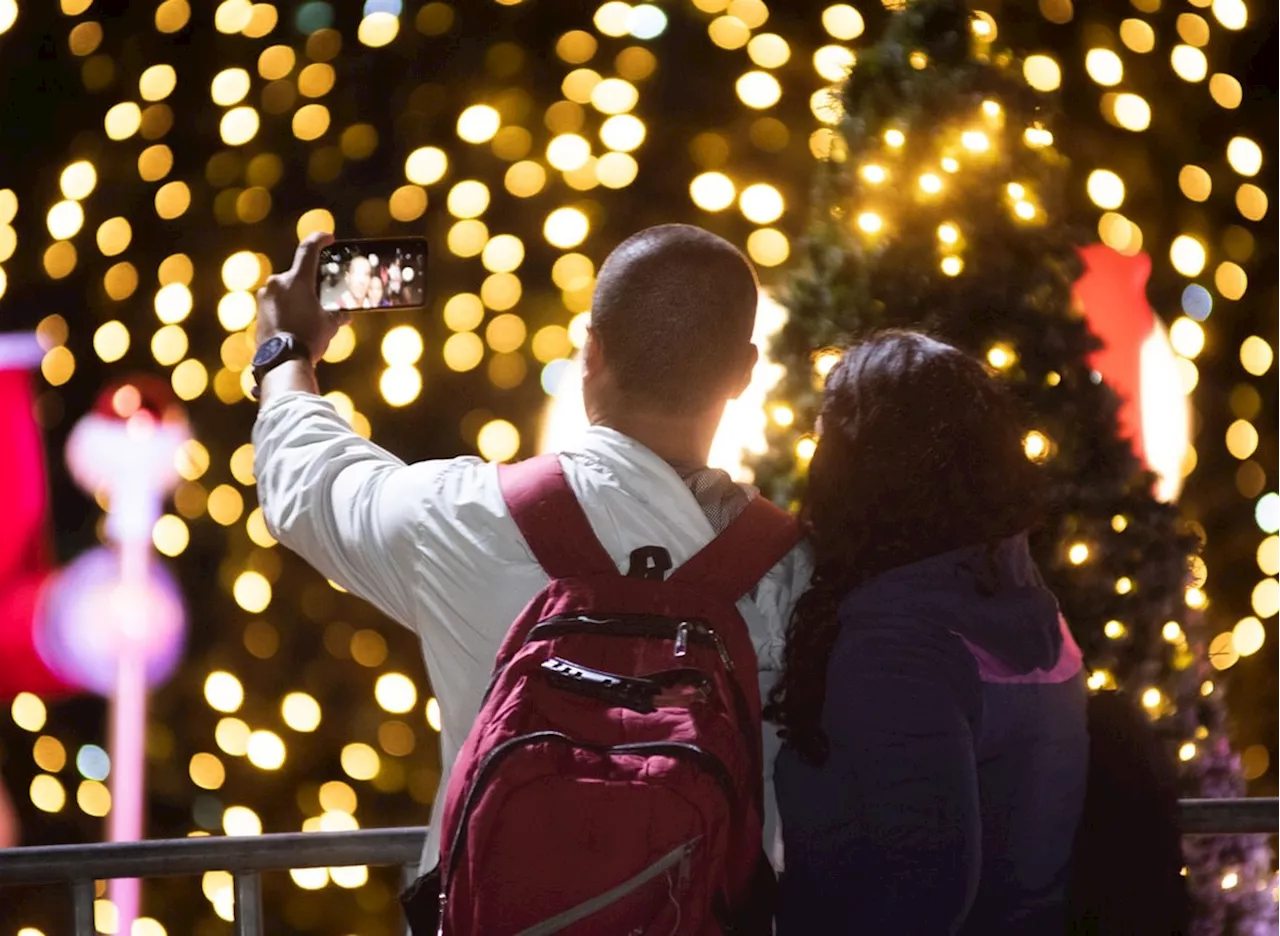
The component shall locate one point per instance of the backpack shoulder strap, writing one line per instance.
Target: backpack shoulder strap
(733, 562)
(551, 520)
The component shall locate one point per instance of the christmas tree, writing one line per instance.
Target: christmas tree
(943, 206)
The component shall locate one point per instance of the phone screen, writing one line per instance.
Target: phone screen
(373, 274)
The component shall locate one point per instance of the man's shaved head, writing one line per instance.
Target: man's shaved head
(674, 309)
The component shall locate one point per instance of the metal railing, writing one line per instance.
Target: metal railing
(246, 857)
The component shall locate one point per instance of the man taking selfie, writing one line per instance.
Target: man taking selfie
(435, 545)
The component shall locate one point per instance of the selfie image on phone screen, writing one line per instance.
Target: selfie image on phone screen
(373, 274)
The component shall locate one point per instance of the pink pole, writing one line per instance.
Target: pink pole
(128, 741)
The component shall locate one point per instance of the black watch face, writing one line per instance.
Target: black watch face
(269, 350)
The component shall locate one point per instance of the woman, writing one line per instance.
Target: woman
(375, 297)
(932, 703)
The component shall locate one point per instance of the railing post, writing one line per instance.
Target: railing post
(82, 894)
(248, 893)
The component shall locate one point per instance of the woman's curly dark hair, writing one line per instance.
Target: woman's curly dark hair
(919, 453)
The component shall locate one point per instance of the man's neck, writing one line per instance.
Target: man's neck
(678, 440)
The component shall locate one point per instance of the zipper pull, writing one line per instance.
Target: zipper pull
(682, 639)
(444, 900)
(722, 650)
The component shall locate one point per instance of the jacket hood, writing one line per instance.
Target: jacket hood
(993, 597)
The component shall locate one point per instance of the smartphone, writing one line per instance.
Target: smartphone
(382, 273)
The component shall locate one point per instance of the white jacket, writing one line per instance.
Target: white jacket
(433, 547)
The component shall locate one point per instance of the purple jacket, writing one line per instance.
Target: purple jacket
(955, 710)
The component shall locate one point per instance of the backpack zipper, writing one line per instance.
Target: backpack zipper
(678, 749)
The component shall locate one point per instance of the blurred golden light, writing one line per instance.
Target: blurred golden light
(60, 259)
(1193, 29)
(123, 120)
(65, 219)
(948, 233)
(579, 83)
(241, 270)
(1251, 201)
(1001, 356)
(1189, 63)
(805, 447)
(1036, 445)
(1152, 698)
(276, 62)
(769, 50)
(463, 312)
(1233, 14)
(223, 691)
(1187, 253)
(1244, 155)
(433, 714)
(1269, 555)
(1187, 751)
(426, 165)
(975, 141)
(301, 712)
(1266, 598)
(1037, 137)
(154, 163)
(1078, 554)
(525, 179)
(236, 310)
(500, 291)
(761, 203)
(622, 132)
(311, 121)
(551, 342)
(614, 96)
(1119, 233)
(728, 32)
(1242, 439)
(93, 797)
(468, 199)
(192, 460)
(239, 126)
(265, 750)
(613, 18)
(1187, 337)
(1195, 183)
(576, 46)
(1256, 355)
(252, 591)
(316, 80)
(378, 29)
(1226, 91)
(842, 21)
(952, 266)
(1231, 280)
(616, 170)
(360, 761)
(78, 180)
(229, 86)
(170, 535)
(1138, 35)
(503, 253)
(478, 123)
(463, 351)
(1105, 188)
(173, 303)
(1042, 72)
(498, 441)
(1248, 636)
(1104, 67)
(873, 174)
(1131, 111)
(568, 151)
(768, 247)
(1024, 210)
(47, 793)
(395, 692)
(752, 12)
(111, 341)
(232, 16)
(28, 712)
(566, 227)
(402, 346)
(226, 505)
(870, 222)
(241, 820)
(505, 333)
(232, 736)
(712, 191)
(57, 366)
(206, 771)
(826, 106)
(49, 754)
(337, 796)
(1113, 629)
(467, 238)
(1172, 632)
(1196, 597)
(758, 89)
(833, 62)
(114, 236)
(400, 385)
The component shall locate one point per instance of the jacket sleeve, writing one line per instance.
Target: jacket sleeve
(898, 846)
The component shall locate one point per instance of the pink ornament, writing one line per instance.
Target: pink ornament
(90, 618)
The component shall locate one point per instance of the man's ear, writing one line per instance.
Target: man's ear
(592, 354)
(748, 365)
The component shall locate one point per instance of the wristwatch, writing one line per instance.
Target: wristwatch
(272, 353)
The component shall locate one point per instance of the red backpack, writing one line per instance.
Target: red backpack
(612, 783)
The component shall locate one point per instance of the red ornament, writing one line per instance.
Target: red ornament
(1137, 361)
